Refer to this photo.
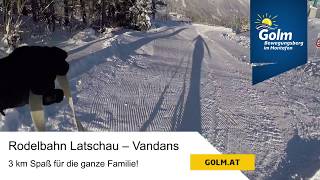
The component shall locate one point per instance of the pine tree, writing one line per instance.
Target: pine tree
(103, 14)
(94, 13)
(51, 17)
(20, 6)
(66, 13)
(91, 4)
(35, 10)
(140, 15)
(6, 11)
(83, 11)
(155, 4)
(154, 8)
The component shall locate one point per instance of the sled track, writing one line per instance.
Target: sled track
(133, 101)
(134, 98)
(149, 90)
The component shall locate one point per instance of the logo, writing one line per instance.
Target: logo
(274, 39)
(278, 39)
(266, 22)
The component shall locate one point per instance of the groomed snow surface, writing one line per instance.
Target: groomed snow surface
(191, 78)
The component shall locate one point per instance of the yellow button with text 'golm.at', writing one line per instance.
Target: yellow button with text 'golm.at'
(245, 162)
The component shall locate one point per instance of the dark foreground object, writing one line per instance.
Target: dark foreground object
(31, 68)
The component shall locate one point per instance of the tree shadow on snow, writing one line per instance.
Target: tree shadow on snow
(155, 111)
(158, 106)
(121, 50)
(150, 34)
(73, 51)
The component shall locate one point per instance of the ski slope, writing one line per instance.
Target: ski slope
(187, 78)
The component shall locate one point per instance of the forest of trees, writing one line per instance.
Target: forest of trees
(71, 14)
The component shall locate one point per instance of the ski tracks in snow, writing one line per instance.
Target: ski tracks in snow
(181, 78)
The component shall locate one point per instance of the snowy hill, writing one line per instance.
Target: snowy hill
(210, 11)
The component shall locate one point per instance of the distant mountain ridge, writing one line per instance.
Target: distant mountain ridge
(214, 12)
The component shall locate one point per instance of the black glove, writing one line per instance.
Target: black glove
(31, 68)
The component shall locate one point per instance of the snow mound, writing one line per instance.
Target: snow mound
(316, 176)
(313, 69)
(110, 42)
(241, 40)
(86, 35)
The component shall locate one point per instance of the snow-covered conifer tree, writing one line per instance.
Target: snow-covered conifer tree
(140, 15)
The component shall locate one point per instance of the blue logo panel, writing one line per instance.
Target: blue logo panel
(279, 33)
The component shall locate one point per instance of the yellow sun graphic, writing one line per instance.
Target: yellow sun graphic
(267, 20)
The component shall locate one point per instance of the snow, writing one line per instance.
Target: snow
(316, 176)
(86, 35)
(184, 77)
(211, 11)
